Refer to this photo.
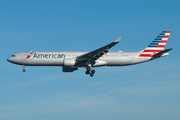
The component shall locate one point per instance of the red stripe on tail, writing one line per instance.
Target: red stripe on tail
(166, 36)
(152, 50)
(161, 46)
(163, 41)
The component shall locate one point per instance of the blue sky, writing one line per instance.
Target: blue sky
(144, 91)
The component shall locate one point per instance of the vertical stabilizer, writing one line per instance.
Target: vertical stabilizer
(157, 45)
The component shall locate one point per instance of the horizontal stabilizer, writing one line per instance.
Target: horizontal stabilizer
(161, 53)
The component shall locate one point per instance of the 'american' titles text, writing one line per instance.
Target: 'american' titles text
(48, 55)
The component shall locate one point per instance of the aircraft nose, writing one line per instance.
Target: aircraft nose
(12, 60)
(8, 59)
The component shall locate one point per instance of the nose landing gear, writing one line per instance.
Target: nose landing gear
(24, 70)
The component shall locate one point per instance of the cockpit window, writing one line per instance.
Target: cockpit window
(13, 56)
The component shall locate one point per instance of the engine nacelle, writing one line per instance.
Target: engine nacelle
(68, 69)
(69, 62)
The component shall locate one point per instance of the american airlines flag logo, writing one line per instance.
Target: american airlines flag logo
(157, 44)
(29, 55)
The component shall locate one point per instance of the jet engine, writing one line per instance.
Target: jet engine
(69, 62)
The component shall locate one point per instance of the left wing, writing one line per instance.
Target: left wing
(94, 55)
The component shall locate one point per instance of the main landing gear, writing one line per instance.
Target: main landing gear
(24, 70)
(90, 72)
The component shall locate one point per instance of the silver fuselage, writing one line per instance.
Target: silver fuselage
(57, 58)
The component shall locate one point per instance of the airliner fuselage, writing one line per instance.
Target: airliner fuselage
(71, 61)
(58, 58)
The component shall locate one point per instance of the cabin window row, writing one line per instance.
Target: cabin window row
(104, 55)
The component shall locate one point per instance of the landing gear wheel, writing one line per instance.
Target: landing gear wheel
(87, 72)
(93, 71)
(24, 70)
(92, 74)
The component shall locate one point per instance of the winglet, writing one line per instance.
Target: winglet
(118, 40)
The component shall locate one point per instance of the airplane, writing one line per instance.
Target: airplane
(71, 61)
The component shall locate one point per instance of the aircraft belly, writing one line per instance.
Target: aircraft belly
(140, 60)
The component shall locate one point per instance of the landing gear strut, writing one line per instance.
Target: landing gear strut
(90, 72)
(24, 70)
